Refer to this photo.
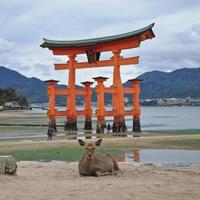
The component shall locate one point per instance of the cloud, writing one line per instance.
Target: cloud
(25, 23)
(43, 69)
(177, 50)
(5, 46)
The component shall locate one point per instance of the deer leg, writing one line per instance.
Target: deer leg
(116, 166)
(98, 173)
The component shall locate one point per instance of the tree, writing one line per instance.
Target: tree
(10, 94)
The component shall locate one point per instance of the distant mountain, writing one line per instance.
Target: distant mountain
(33, 88)
(156, 84)
(180, 83)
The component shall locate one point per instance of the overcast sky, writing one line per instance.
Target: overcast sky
(25, 22)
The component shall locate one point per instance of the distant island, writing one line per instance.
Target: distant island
(11, 100)
(171, 102)
(179, 84)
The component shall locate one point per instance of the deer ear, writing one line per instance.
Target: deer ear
(98, 142)
(81, 142)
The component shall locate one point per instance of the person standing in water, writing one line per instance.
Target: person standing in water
(50, 132)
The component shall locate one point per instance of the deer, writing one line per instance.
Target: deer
(93, 164)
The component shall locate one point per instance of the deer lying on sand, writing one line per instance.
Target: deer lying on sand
(96, 164)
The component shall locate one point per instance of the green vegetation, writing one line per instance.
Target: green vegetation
(8, 95)
(187, 144)
(62, 154)
(75, 153)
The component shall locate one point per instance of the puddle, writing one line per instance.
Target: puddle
(169, 157)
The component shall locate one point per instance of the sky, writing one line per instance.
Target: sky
(24, 24)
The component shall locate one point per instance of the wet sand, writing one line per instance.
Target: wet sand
(61, 180)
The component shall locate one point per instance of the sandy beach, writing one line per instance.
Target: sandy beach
(61, 180)
(90, 85)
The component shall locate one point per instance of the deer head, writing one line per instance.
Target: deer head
(89, 147)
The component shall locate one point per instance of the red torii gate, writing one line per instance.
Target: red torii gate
(93, 48)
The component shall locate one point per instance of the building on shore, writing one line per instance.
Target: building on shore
(14, 105)
(171, 102)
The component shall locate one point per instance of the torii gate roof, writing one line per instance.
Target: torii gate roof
(89, 42)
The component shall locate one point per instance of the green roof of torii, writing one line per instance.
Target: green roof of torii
(93, 41)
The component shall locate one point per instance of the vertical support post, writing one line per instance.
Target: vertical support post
(88, 109)
(136, 105)
(100, 112)
(52, 111)
(118, 96)
(71, 123)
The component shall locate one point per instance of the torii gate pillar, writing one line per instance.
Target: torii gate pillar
(71, 123)
(118, 96)
(100, 112)
(88, 110)
(136, 105)
(52, 111)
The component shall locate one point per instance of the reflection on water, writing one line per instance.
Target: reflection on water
(130, 156)
(161, 157)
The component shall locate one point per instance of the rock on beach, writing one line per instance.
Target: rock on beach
(8, 165)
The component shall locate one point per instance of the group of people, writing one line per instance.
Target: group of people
(116, 128)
